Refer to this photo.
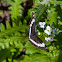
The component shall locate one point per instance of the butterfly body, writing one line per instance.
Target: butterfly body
(33, 38)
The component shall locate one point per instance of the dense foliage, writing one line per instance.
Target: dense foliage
(14, 42)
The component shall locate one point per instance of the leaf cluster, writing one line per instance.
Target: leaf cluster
(13, 40)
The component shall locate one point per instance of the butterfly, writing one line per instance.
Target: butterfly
(33, 38)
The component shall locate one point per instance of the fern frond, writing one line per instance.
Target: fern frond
(13, 29)
(16, 10)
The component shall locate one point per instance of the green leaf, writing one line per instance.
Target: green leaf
(15, 60)
(53, 16)
(1, 12)
(27, 59)
(8, 26)
(6, 45)
(40, 58)
(15, 10)
(4, 53)
(20, 46)
(56, 2)
(39, 9)
(12, 30)
(2, 27)
(9, 1)
(30, 49)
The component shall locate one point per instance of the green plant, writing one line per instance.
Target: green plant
(14, 39)
(51, 14)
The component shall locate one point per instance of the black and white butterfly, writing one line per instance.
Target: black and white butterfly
(33, 38)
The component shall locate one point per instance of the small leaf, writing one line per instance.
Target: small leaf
(2, 27)
(40, 58)
(20, 46)
(53, 16)
(56, 2)
(8, 25)
(30, 49)
(27, 59)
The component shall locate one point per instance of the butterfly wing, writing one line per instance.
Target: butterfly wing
(33, 38)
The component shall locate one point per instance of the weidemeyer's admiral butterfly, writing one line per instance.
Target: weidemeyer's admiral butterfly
(33, 38)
